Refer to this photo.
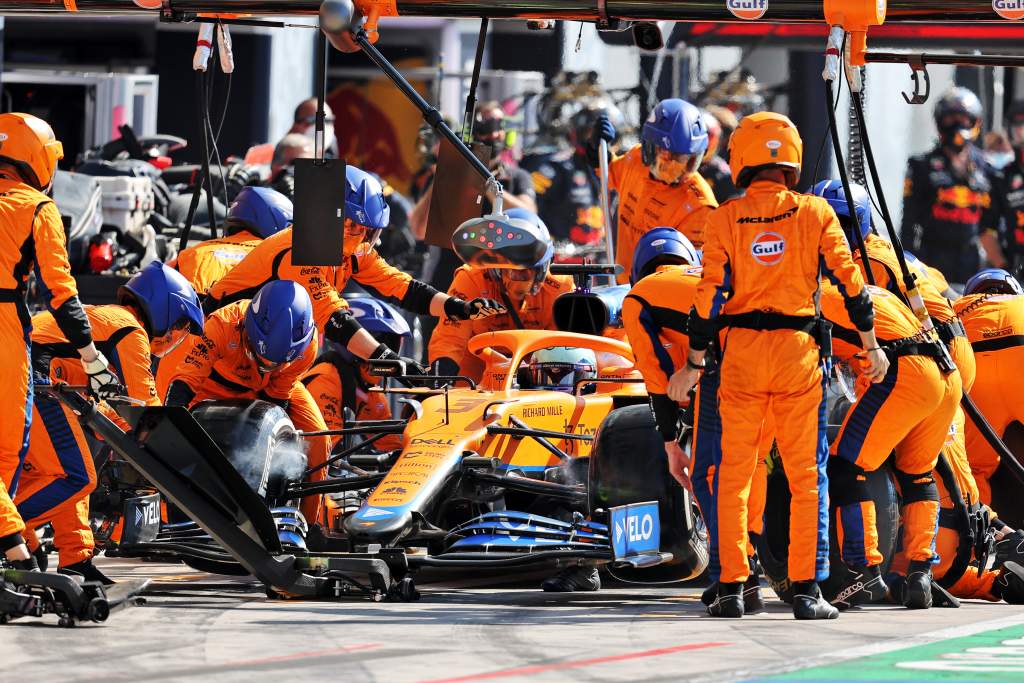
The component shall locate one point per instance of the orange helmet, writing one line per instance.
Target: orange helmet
(28, 143)
(764, 140)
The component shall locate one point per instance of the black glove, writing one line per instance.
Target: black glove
(412, 368)
(103, 383)
(478, 308)
(603, 130)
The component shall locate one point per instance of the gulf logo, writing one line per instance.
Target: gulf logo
(755, 9)
(1009, 9)
(768, 248)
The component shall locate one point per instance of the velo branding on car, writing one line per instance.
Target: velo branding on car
(768, 248)
(751, 10)
(1009, 9)
(636, 529)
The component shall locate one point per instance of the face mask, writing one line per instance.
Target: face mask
(956, 137)
(161, 346)
(669, 171)
(999, 160)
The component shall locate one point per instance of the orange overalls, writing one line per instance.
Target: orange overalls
(272, 260)
(761, 267)
(59, 474)
(909, 411)
(995, 328)
(886, 269)
(218, 367)
(203, 265)
(31, 233)
(451, 337)
(973, 583)
(646, 203)
(654, 316)
(336, 384)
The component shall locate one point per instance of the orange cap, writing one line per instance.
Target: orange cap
(28, 143)
(764, 140)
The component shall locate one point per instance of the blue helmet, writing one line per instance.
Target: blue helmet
(994, 281)
(657, 243)
(364, 199)
(279, 323)
(165, 299)
(380, 319)
(260, 210)
(832, 192)
(675, 125)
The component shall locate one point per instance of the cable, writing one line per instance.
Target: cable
(824, 136)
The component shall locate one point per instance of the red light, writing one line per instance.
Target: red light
(490, 245)
(499, 231)
(490, 225)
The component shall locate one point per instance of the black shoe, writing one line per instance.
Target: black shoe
(753, 601)
(87, 570)
(42, 558)
(709, 594)
(917, 588)
(728, 603)
(864, 586)
(808, 602)
(29, 565)
(1010, 584)
(573, 579)
(1010, 549)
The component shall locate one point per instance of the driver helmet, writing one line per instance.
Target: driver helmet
(560, 368)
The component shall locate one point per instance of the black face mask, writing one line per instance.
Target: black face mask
(955, 136)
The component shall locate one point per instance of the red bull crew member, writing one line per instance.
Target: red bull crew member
(761, 271)
(366, 214)
(32, 235)
(157, 311)
(657, 181)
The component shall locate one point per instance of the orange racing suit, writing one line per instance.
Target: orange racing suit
(335, 384)
(219, 367)
(762, 259)
(995, 328)
(203, 265)
(31, 233)
(653, 314)
(451, 337)
(888, 275)
(909, 411)
(646, 203)
(59, 474)
(272, 260)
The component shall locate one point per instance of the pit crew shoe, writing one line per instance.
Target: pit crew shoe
(42, 558)
(728, 604)
(917, 589)
(1010, 584)
(88, 571)
(808, 602)
(1010, 549)
(753, 601)
(865, 585)
(709, 594)
(572, 579)
(29, 565)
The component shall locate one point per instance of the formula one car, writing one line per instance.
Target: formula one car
(490, 475)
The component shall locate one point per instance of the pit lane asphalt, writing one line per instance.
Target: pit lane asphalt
(197, 626)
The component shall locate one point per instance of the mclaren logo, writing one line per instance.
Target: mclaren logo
(747, 220)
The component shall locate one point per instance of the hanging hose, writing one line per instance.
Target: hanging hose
(840, 162)
(204, 49)
(855, 146)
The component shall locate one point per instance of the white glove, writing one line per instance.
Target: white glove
(103, 383)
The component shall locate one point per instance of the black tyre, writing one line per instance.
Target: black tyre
(628, 465)
(773, 545)
(258, 438)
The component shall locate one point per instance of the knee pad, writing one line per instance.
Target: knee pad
(917, 488)
(846, 483)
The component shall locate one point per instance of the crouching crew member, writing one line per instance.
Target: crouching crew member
(340, 382)
(366, 213)
(260, 349)
(762, 259)
(32, 236)
(527, 293)
(157, 311)
(657, 181)
(665, 275)
(909, 411)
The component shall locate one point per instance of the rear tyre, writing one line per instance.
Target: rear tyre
(773, 544)
(628, 465)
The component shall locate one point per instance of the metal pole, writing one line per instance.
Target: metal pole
(609, 247)
(474, 82)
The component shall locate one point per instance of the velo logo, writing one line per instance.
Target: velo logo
(768, 248)
(751, 10)
(1009, 9)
